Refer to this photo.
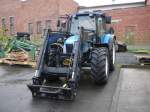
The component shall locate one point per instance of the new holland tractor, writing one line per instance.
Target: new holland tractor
(86, 44)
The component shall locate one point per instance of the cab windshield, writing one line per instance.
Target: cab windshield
(82, 21)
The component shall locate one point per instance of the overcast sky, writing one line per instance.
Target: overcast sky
(103, 2)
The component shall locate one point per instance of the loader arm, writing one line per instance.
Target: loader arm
(40, 61)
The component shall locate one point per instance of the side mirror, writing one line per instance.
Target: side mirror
(108, 19)
(58, 23)
(111, 30)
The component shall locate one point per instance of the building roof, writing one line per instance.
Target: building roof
(105, 2)
(120, 4)
(112, 6)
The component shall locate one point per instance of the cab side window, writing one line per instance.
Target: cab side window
(101, 26)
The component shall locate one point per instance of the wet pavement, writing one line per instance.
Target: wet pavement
(15, 96)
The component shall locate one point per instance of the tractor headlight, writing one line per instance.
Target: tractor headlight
(69, 48)
(67, 62)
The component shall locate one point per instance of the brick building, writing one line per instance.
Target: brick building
(33, 15)
(131, 21)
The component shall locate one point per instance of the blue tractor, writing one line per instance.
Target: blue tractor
(87, 44)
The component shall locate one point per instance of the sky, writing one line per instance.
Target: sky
(103, 2)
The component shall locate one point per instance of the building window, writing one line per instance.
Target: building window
(3, 23)
(30, 28)
(39, 27)
(12, 31)
(48, 24)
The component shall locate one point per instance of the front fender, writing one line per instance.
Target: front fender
(107, 39)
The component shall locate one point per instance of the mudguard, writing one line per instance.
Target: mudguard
(107, 39)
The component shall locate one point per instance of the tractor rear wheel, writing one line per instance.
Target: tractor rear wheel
(100, 65)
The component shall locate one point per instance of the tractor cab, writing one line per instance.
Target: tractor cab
(92, 22)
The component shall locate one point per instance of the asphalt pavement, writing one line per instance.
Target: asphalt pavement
(15, 96)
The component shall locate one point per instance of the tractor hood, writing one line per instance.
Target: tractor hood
(72, 39)
(69, 44)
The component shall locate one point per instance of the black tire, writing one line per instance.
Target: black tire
(99, 72)
(112, 57)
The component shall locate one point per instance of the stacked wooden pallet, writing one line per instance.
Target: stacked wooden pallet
(17, 58)
(144, 59)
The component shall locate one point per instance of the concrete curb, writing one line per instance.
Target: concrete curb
(114, 104)
(136, 66)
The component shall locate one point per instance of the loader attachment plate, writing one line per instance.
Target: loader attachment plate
(52, 92)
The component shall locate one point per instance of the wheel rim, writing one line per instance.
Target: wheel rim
(106, 66)
(114, 54)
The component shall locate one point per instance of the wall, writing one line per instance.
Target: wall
(67, 6)
(134, 23)
(32, 11)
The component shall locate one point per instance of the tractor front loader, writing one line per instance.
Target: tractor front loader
(57, 73)
(85, 45)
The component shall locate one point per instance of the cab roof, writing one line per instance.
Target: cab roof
(95, 14)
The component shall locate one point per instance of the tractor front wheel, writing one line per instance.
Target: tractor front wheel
(112, 57)
(100, 65)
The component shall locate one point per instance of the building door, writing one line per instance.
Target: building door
(130, 34)
(30, 28)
